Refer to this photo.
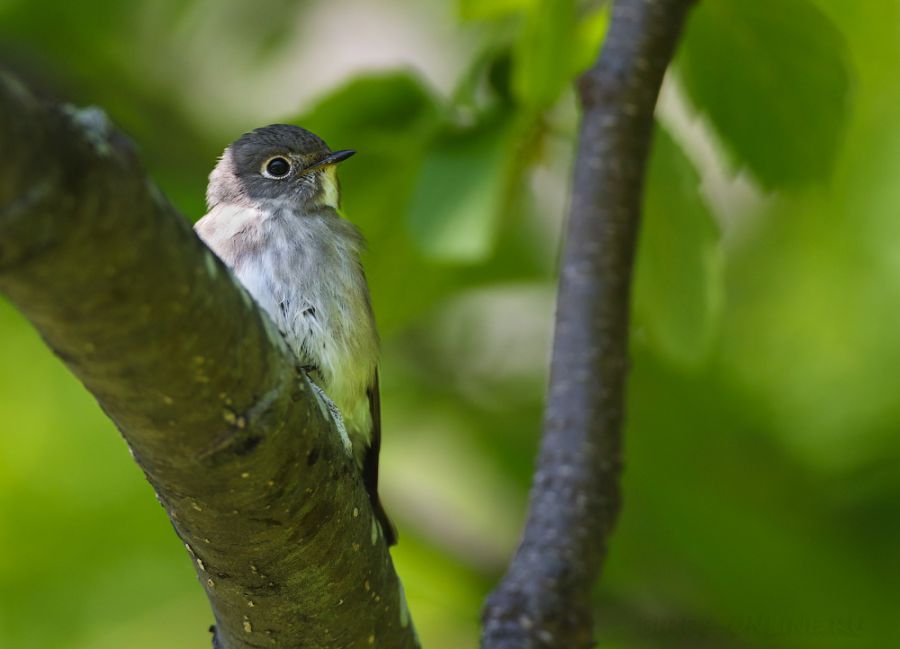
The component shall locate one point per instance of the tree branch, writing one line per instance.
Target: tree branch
(544, 599)
(255, 481)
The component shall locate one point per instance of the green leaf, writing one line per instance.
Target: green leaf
(461, 191)
(678, 280)
(382, 112)
(491, 9)
(545, 53)
(589, 35)
(774, 78)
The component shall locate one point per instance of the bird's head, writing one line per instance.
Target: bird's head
(277, 163)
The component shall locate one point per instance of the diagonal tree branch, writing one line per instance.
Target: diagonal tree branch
(544, 599)
(254, 479)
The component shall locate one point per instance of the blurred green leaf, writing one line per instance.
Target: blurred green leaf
(461, 191)
(774, 78)
(486, 83)
(490, 9)
(382, 112)
(678, 279)
(715, 516)
(544, 53)
(589, 35)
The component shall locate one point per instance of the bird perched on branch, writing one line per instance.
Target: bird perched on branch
(274, 218)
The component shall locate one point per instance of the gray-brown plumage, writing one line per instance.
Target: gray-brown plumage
(274, 218)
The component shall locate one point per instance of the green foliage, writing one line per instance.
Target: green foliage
(399, 112)
(678, 278)
(544, 53)
(774, 78)
(488, 9)
(761, 493)
(461, 191)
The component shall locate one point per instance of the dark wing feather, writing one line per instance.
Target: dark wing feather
(370, 464)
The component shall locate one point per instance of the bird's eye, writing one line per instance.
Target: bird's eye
(277, 167)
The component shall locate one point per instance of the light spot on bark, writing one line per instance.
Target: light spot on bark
(375, 531)
(404, 609)
(155, 194)
(210, 583)
(95, 125)
(372, 639)
(211, 267)
(17, 87)
(168, 400)
(196, 506)
(27, 200)
(200, 564)
(245, 296)
(356, 512)
(248, 628)
(245, 475)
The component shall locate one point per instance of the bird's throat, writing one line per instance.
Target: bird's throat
(331, 191)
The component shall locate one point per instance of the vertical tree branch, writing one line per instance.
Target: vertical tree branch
(544, 599)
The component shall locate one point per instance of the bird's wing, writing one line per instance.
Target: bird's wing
(370, 463)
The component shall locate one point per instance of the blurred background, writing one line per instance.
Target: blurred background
(761, 491)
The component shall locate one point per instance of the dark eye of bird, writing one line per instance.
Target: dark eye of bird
(278, 167)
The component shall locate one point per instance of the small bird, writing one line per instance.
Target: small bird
(274, 218)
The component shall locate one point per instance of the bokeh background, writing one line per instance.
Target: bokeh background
(761, 492)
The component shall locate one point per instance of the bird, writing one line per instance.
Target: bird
(274, 218)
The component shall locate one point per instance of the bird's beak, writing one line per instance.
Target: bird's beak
(333, 159)
(337, 156)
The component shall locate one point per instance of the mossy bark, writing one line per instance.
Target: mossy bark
(255, 480)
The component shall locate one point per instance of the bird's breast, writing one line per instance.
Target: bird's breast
(305, 271)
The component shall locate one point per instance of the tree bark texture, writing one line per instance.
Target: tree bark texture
(544, 600)
(253, 476)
